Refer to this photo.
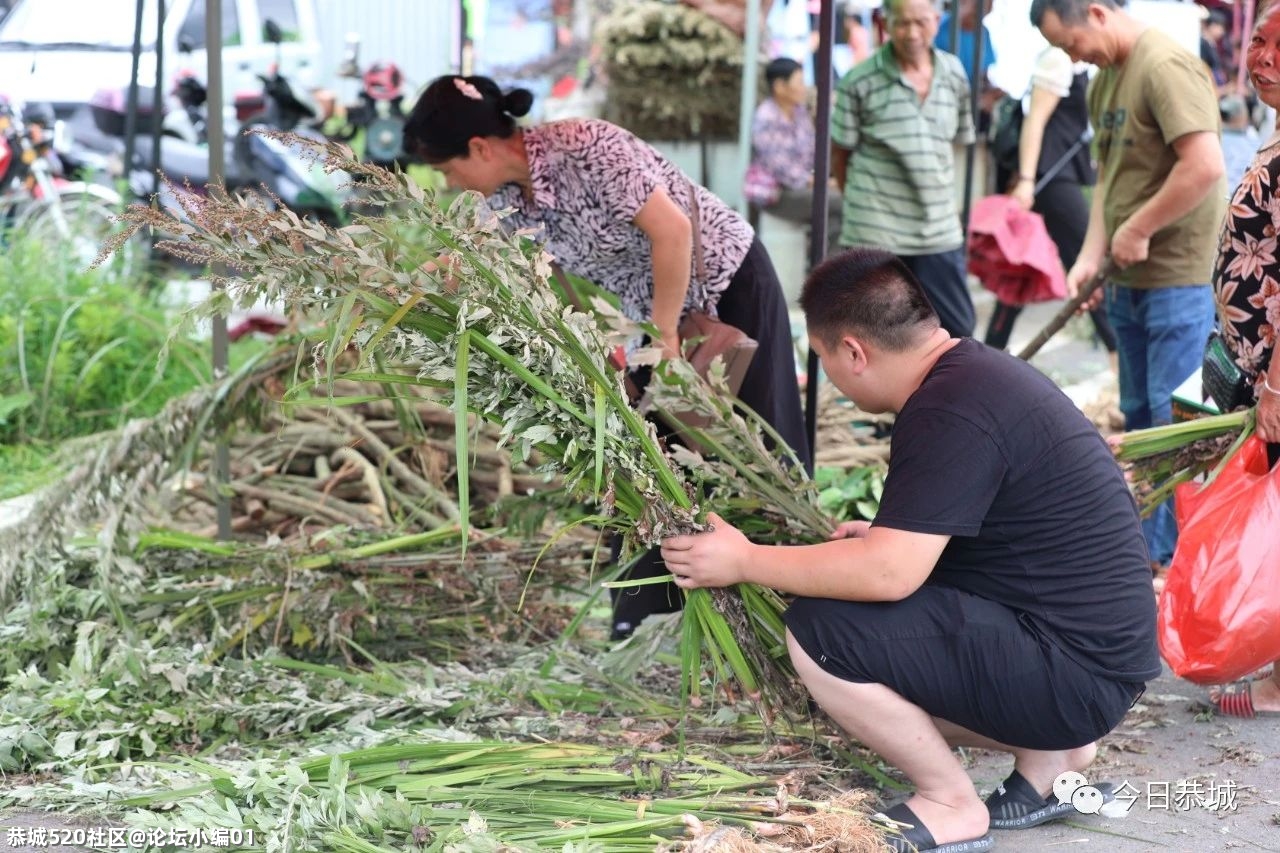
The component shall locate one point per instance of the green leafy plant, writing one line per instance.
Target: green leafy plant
(674, 71)
(78, 350)
(487, 332)
(849, 495)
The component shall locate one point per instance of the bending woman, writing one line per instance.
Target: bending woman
(612, 210)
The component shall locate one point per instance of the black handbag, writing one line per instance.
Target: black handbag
(1221, 379)
(1006, 132)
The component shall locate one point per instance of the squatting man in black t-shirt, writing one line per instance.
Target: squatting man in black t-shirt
(1002, 596)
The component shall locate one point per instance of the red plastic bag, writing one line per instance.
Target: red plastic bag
(1219, 615)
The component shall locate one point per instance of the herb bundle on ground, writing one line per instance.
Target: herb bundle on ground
(445, 793)
(488, 333)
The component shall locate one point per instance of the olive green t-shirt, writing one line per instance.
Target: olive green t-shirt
(1160, 93)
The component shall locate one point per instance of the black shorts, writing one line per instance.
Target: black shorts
(967, 660)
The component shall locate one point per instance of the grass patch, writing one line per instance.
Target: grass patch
(80, 354)
(24, 468)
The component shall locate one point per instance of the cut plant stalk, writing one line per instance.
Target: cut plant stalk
(506, 348)
(514, 796)
(1159, 459)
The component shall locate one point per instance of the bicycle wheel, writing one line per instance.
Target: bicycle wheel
(76, 225)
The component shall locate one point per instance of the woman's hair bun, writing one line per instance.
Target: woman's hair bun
(517, 102)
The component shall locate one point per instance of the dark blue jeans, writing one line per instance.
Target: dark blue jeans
(1161, 334)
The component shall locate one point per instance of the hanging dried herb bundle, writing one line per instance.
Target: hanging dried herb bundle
(674, 72)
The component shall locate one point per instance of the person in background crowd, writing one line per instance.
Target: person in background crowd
(1248, 303)
(1055, 125)
(1159, 200)
(987, 604)
(611, 209)
(1213, 27)
(1239, 138)
(780, 177)
(896, 119)
(856, 33)
(970, 24)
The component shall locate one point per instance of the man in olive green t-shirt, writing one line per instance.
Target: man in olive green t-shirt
(1157, 208)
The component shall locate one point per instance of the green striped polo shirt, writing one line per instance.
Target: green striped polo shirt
(900, 192)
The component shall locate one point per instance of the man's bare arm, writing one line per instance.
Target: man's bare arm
(839, 164)
(879, 564)
(1192, 178)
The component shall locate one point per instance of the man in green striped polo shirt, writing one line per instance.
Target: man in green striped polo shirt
(897, 116)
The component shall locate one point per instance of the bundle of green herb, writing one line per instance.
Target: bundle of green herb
(1158, 459)
(491, 335)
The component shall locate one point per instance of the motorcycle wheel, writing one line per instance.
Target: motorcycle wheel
(90, 221)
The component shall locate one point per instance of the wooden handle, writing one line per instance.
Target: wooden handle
(1068, 310)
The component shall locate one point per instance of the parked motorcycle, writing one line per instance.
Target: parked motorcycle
(185, 117)
(379, 110)
(254, 164)
(36, 201)
(286, 172)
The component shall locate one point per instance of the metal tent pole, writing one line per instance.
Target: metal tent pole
(822, 139)
(131, 108)
(971, 150)
(217, 168)
(157, 98)
(818, 215)
(747, 96)
(953, 28)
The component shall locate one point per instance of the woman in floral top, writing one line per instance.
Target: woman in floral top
(611, 209)
(1246, 284)
(780, 177)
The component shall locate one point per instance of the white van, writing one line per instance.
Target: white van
(60, 52)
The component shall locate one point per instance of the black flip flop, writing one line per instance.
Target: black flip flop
(906, 834)
(1016, 804)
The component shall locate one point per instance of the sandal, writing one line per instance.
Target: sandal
(1016, 804)
(1236, 700)
(906, 834)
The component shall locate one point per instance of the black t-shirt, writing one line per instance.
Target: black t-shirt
(992, 453)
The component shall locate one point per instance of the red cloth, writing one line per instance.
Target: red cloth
(268, 324)
(1012, 254)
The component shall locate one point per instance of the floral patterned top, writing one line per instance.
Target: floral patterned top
(1246, 275)
(782, 145)
(590, 178)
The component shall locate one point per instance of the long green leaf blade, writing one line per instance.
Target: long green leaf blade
(461, 452)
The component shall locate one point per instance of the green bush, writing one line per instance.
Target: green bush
(80, 354)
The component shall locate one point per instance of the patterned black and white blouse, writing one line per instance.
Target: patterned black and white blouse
(590, 178)
(1246, 280)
